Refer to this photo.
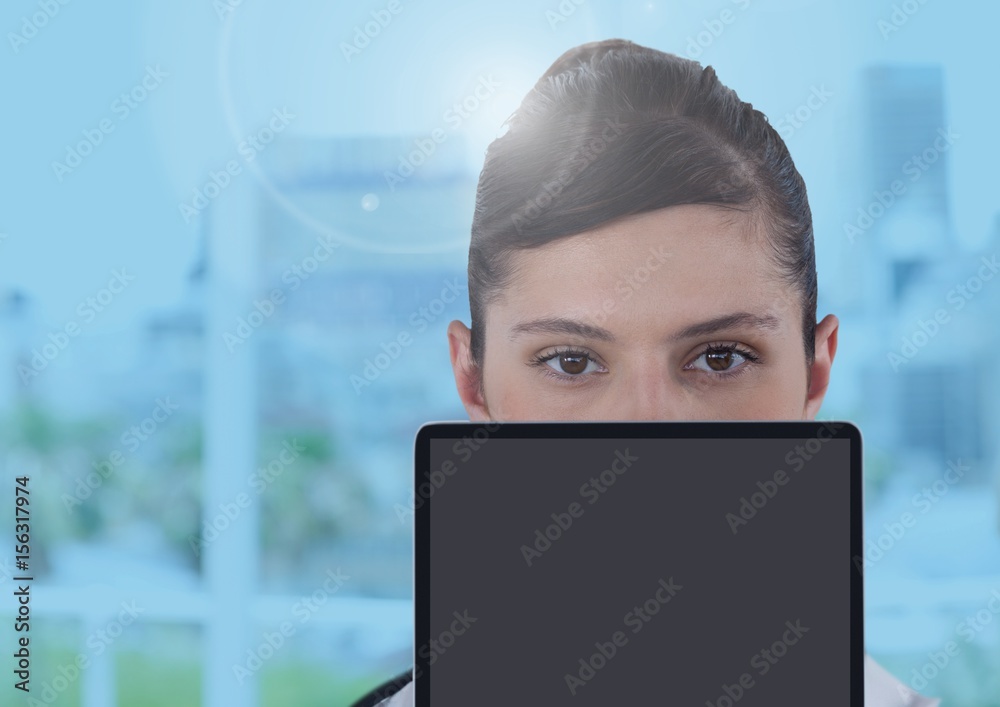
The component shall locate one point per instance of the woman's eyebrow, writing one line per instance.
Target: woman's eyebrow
(767, 322)
(561, 325)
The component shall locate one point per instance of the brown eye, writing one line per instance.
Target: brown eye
(573, 363)
(570, 363)
(725, 360)
(719, 360)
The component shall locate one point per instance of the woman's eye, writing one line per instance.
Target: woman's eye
(721, 360)
(571, 363)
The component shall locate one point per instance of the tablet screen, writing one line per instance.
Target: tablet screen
(673, 563)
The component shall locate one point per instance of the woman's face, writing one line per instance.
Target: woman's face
(675, 314)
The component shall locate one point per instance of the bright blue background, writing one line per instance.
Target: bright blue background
(891, 74)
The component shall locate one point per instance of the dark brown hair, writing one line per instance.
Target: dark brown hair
(614, 128)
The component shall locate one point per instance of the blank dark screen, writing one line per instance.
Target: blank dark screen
(608, 571)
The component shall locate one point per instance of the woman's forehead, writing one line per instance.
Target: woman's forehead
(691, 233)
(672, 265)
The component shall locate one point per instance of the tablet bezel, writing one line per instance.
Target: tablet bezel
(770, 429)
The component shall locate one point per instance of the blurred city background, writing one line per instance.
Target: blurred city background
(217, 217)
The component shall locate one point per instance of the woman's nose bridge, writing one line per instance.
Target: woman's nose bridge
(654, 396)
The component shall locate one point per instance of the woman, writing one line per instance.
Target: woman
(642, 249)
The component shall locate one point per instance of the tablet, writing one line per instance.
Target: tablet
(618, 563)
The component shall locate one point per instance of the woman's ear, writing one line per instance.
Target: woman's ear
(819, 375)
(468, 376)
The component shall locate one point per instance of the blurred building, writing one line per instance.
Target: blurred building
(928, 395)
